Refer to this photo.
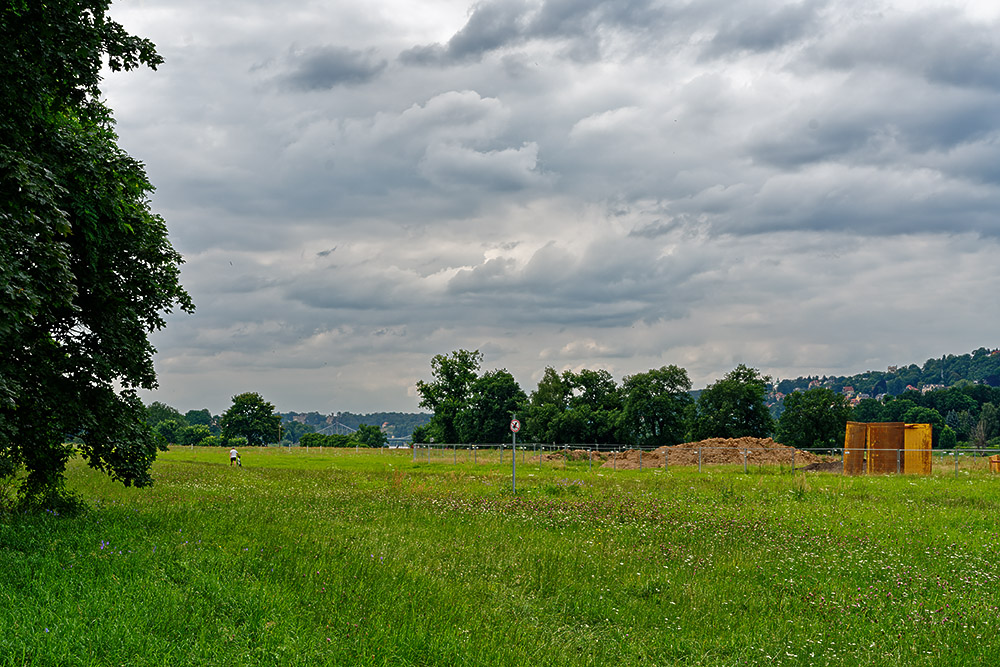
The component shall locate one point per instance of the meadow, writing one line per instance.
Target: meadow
(339, 557)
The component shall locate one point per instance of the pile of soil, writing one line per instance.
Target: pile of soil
(758, 451)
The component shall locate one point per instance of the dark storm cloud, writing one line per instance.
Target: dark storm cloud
(322, 68)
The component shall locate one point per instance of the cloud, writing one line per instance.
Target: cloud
(801, 186)
(323, 68)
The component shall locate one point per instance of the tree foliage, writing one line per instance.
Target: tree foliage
(734, 407)
(370, 436)
(251, 417)
(656, 405)
(495, 397)
(816, 417)
(86, 270)
(450, 391)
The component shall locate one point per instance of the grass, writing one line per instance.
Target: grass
(344, 558)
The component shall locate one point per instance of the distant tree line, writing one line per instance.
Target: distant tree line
(252, 421)
(587, 406)
(657, 407)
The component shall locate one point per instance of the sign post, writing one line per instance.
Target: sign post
(515, 426)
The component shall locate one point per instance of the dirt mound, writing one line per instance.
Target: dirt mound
(714, 451)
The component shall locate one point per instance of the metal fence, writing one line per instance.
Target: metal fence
(622, 457)
(627, 457)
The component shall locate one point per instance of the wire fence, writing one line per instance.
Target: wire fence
(623, 457)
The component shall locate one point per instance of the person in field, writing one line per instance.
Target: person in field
(234, 457)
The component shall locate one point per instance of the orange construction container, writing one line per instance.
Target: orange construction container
(887, 447)
(995, 463)
(855, 446)
(917, 449)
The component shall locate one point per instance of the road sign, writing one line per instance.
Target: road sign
(515, 426)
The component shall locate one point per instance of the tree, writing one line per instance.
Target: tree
(816, 417)
(371, 435)
(87, 271)
(251, 417)
(867, 410)
(546, 403)
(921, 415)
(450, 391)
(193, 435)
(293, 431)
(495, 399)
(169, 430)
(157, 412)
(580, 408)
(734, 407)
(656, 404)
(198, 417)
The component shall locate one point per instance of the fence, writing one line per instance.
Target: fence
(621, 457)
(887, 460)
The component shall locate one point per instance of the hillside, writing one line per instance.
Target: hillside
(982, 366)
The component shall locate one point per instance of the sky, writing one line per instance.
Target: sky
(808, 188)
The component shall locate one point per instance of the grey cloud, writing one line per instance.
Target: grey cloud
(323, 68)
(941, 46)
(762, 29)
(492, 25)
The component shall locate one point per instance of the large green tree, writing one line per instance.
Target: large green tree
(450, 391)
(656, 406)
(86, 270)
(734, 407)
(816, 417)
(495, 398)
(371, 435)
(546, 403)
(251, 417)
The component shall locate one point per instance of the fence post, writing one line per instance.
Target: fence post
(590, 460)
(614, 464)
(640, 459)
(793, 461)
(413, 448)
(898, 452)
(745, 461)
(666, 456)
(699, 459)
(956, 462)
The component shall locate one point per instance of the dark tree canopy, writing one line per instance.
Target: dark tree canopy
(86, 270)
(816, 417)
(253, 418)
(495, 397)
(734, 407)
(448, 394)
(656, 406)
(371, 435)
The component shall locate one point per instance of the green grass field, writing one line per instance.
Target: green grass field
(344, 558)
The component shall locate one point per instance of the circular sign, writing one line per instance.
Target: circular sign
(515, 425)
